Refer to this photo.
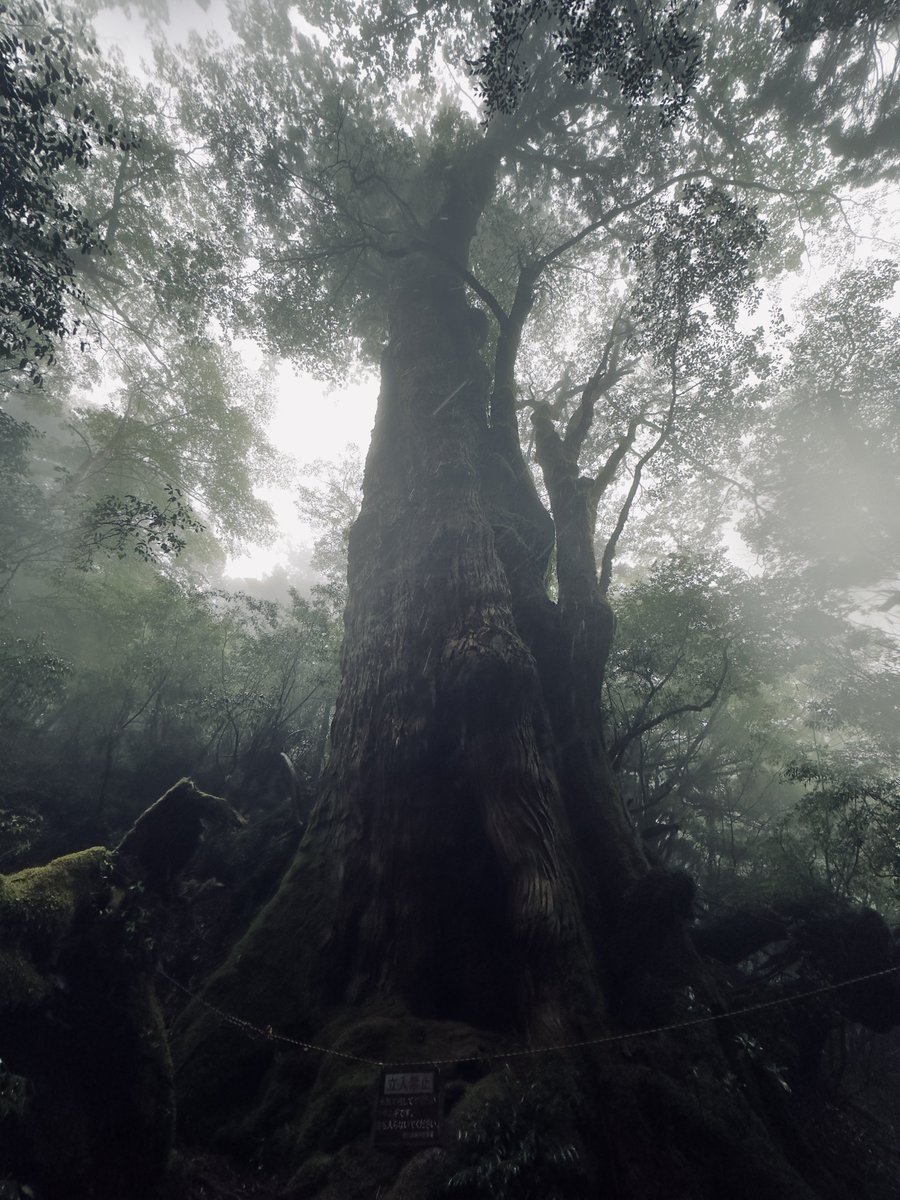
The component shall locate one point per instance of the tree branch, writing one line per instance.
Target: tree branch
(503, 396)
(607, 375)
(607, 472)
(609, 551)
(621, 744)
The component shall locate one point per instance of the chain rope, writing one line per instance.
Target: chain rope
(270, 1034)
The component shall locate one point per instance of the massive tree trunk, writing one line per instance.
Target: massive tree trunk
(439, 856)
(442, 804)
(468, 878)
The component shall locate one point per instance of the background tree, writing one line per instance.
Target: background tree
(46, 125)
(100, 460)
(330, 503)
(825, 461)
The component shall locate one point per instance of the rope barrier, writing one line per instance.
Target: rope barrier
(255, 1031)
(269, 1033)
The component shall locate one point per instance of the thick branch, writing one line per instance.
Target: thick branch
(503, 396)
(472, 281)
(655, 689)
(607, 472)
(607, 374)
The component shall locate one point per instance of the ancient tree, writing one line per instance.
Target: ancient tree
(565, 274)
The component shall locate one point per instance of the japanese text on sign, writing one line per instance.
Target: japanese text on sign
(408, 1108)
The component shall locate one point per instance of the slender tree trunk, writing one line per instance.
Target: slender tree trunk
(610, 856)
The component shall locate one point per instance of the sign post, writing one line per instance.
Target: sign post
(409, 1107)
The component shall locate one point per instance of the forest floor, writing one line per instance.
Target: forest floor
(830, 1128)
(202, 1176)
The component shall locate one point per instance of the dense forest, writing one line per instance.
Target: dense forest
(565, 777)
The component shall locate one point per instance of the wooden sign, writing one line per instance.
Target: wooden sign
(409, 1107)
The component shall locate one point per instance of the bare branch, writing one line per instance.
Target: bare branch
(607, 472)
(609, 551)
(606, 376)
(638, 730)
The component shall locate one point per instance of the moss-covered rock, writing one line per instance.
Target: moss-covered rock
(39, 909)
(81, 1026)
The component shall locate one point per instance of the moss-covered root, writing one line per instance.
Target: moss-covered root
(595, 1124)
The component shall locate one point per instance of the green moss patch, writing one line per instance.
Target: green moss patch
(39, 908)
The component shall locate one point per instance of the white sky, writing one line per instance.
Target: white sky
(308, 422)
(116, 28)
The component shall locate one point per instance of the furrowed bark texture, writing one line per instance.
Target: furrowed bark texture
(468, 866)
(445, 813)
(609, 856)
(439, 867)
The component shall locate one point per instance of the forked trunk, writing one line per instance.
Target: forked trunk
(442, 801)
(468, 877)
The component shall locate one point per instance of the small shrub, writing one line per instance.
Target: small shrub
(519, 1145)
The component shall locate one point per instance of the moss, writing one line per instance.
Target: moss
(356, 1172)
(20, 982)
(277, 1105)
(152, 1090)
(305, 1108)
(339, 1108)
(39, 909)
(81, 1023)
(665, 1118)
(216, 1065)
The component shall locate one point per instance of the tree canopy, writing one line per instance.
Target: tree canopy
(589, 723)
(46, 123)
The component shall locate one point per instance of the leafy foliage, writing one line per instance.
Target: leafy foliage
(280, 188)
(646, 49)
(514, 1147)
(330, 503)
(776, 784)
(161, 679)
(843, 830)
(697, 260)
(803, 20)
(14, 1093)
(46, 127)
(684, 651)
(23, 532)
(826, 457)
(117, 523)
